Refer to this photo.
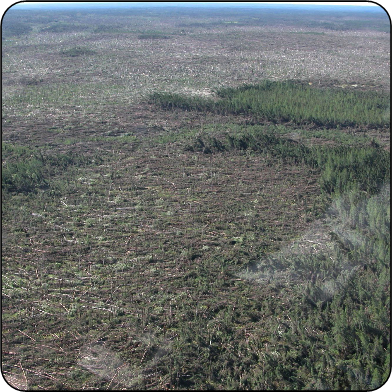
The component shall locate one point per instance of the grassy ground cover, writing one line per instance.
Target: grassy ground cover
(145, 248)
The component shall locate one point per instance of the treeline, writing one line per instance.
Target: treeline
(78, 51)
(343, 168)
(15, 29)
(153, 34)
(290, 101)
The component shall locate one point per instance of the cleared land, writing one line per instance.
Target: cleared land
(163, 229)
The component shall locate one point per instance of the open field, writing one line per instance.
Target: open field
(163, 228)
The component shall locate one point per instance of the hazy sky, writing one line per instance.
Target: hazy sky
(113, 3)
(4, 5)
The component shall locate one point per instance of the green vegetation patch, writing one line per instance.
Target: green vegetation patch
(26, 169)
(15, 29)
(64, 28)
(153, 35)
(109, 28)
(78, 51)
(343, 168)
(290, 101)
(309, 32)
(39, 94)
(348, 168)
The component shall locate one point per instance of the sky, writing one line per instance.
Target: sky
(73, 4)
(5, 5)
